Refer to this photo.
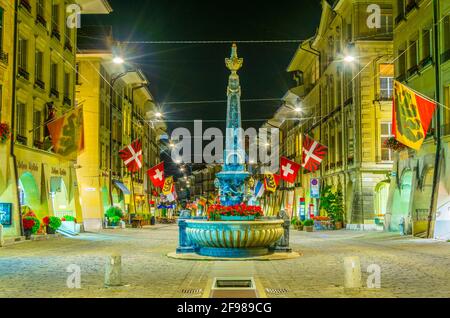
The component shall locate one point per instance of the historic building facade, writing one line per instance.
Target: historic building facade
(412, 186)
(344, 77)
(118, 110)
(38, 68)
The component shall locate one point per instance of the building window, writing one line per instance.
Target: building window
(401, 65)
(413, 57)
(1, 29)
(37, 127)
(21, 120)
(54, 77)
(23, 55)
(55, 21)
(426, 44)
(446, 34)
(40, 8)
(386, 133)
(39, 67)
(67, 85)
(386, 88)
(1, 101)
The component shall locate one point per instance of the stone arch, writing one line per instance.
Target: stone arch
(381, 198)
(29, 192)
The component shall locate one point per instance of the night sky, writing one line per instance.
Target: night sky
(193, 72)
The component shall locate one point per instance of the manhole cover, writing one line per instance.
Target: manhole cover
(277, 291)
(192, 291)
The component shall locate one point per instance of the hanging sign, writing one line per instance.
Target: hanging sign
(315, 189)
(6, 214)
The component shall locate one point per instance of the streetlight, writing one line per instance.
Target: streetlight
(118, 60)
(158, 115)
(349, 58)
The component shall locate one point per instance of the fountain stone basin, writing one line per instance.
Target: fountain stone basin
(234, 239)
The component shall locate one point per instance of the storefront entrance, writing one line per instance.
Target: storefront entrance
(59, 198)
(30, 196)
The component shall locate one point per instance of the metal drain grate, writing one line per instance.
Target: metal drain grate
(277, 291)
(192, 291)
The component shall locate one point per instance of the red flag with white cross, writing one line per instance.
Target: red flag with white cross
(156, 175)
(289, 170)
(132, 156)
(313, 154)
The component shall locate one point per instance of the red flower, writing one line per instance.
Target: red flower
(28, 224)
(46, 220)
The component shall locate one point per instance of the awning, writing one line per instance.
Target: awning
(122, 187)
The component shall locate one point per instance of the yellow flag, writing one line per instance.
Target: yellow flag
(168, 186)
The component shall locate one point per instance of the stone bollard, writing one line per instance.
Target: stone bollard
(185, 245)
(282, 246)
(2, 242)
(113, 271)
(352, 272)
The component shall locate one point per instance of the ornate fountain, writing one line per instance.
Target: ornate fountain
(232, 239)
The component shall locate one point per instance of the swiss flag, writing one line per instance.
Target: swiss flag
(156, 175)
(313, 154)
(132, 156)
(289, 170)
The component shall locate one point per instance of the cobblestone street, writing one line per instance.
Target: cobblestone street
(410, 267)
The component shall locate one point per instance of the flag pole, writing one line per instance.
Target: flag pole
(435, 191)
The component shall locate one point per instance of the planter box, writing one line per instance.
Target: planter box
(237, 218)
(309, 229)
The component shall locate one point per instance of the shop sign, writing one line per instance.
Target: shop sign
(315, 188)
(6, 214)
(59, 172)
(31, 166)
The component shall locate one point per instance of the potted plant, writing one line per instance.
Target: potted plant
(308, 225)
(31, 216)
(338, 210)
(297, 223)
(28, 225)
(5, 133)
(52, 224)
(114, 215)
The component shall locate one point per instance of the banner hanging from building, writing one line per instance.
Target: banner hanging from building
(412, 116)
(67, 134)
(271, 182)
(168, 186)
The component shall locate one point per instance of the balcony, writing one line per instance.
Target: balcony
(400, 18)
(39, 83)
(26, 5)
(426, 62)
(56, 34)
(41, 20)
(445, 56)
(413, 71)
(68, 46)
(67, 101)
(38, 145)
(54, 93)
(23, 74)
(21, 140)
(411, 6)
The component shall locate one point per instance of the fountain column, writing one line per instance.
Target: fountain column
(233, 176)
